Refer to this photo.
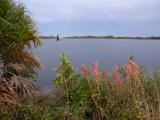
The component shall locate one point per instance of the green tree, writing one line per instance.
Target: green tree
(17, 35)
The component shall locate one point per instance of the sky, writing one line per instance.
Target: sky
(96, 17)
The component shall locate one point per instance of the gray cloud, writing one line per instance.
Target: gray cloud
(96, 10)
(116, 12)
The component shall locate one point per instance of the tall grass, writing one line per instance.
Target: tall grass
(125, 94)
(94, 94)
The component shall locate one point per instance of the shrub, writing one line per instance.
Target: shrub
(127, 94)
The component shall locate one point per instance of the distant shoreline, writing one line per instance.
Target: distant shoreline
(47, 37)
(113, 37)
(103, 37)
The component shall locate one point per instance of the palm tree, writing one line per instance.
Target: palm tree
(17, 36)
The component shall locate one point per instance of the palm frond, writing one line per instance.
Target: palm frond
(8, 96)
(17, 32)
(17, 67)
(22, 86)
(11, 90)
(31, 59)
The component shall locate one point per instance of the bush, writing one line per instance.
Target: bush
(4, 115)
(127, 94)
(27, 112)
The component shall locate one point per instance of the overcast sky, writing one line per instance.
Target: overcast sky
(96, 17)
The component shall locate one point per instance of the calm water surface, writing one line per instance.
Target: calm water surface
(107, 52)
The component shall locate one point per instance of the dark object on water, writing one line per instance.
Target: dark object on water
(57, 37)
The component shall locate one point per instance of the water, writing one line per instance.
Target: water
(107, 52)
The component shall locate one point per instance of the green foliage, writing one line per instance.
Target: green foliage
(4, 115)
(84, 97)
(55, 111)
(17, 35)
(27, 112)
(134, 98)
(64, 71)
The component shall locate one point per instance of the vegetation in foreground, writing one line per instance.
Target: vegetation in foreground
(127, 94)
(17, 63)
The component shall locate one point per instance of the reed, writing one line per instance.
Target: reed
(94, 94)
